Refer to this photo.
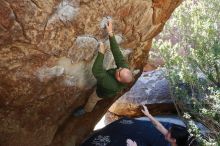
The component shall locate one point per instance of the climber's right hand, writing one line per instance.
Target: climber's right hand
(109, 27)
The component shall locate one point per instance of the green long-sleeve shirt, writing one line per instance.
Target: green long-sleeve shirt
(107, 85)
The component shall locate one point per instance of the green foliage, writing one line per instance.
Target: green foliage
(190, 47)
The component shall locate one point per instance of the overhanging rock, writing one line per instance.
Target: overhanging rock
(46, 52)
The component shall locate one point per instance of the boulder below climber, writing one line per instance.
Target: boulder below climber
(151, 89)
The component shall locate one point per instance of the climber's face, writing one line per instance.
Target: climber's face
(124, 75)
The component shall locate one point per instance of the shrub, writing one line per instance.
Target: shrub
(190, 47)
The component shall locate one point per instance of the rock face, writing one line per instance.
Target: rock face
(152, 89)
(47, 49)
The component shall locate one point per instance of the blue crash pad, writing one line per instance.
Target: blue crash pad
(116, 134)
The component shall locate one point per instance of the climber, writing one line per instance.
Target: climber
(109, 82)
(176, 135)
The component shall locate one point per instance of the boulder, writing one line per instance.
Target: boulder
(47, 49)
(151, 89)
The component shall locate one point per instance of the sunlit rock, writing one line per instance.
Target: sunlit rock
(152, 89)
(47, 49)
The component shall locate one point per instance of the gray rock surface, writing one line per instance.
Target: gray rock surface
(152, 88)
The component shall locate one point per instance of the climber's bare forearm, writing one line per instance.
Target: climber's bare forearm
(158, 125)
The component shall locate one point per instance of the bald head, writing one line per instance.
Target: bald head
(124, 75)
